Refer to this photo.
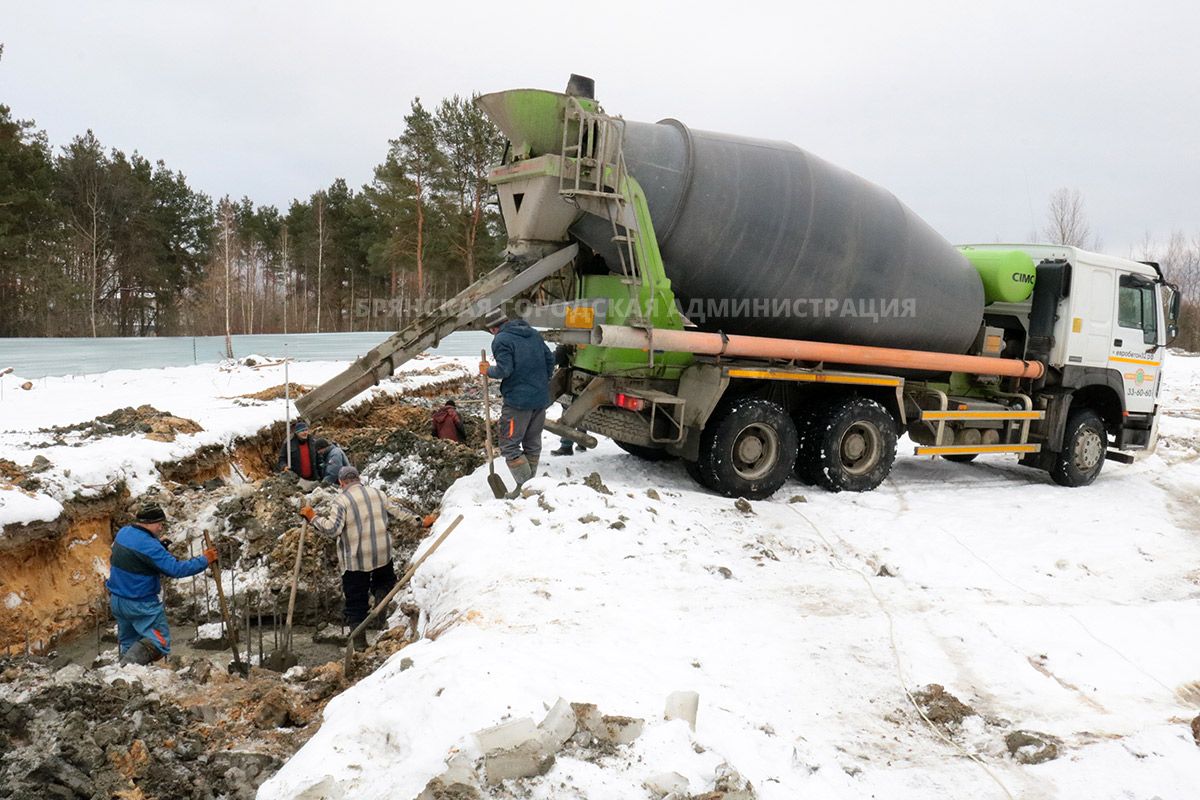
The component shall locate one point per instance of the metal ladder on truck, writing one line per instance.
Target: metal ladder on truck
(598, 183)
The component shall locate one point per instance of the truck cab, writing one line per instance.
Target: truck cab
(1112, 318)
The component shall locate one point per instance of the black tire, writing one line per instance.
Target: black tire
(961, 458)
(645, 452)
(747, 449)
(854, 445)
(1085, 443)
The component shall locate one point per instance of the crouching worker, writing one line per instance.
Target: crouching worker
(358, 517)
(334, 458)
(138, 561)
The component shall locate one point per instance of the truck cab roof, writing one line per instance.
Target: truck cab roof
(1075, 255)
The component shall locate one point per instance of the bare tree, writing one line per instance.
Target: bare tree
(320, 251)
(226, 223)
(1067, 218)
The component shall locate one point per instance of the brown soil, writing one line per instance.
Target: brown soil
(161, 426)
(279, 392)
(60, 584)
(10, 472)
(940, 706)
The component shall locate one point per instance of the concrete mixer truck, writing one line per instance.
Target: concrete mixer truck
(760, 313)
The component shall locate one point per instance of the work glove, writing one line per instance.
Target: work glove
(211, 554)
(483, 368)
(428, 520)
(308, 513)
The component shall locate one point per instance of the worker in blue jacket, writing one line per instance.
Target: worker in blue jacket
(523, 364)
(138, 560)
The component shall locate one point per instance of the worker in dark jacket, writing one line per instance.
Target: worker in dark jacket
(523, 364)
(447, 424)
(306, 461)
(333, 458)
(138, 560)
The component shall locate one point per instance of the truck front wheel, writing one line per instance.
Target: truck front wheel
(1084, 445)
(852, 446)
(747, 449)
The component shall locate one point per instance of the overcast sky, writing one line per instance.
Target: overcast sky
(971, 112)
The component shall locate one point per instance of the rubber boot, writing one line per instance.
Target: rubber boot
(141, 652)
(360, 642)
(564, 449)
(521, 472)
(533, 465)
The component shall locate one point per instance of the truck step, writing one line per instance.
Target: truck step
(937, 416)
(976, 449)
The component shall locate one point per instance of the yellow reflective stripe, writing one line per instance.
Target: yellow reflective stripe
(987, 415)
(813, 377)
(1134, 361)
(967, 449)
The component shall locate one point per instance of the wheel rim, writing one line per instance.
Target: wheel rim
(755, 451)
(860, 448)
(1088, 450)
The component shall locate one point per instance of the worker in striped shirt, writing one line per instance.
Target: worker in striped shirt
(358, 517)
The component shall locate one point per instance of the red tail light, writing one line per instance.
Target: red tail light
(628, 401)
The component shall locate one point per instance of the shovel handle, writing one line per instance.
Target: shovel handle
(230, 631)
(487, 414)
(287, 634)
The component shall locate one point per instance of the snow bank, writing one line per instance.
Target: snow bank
(1069, 612)
(18, 506)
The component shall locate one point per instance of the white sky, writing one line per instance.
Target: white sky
(970, 112)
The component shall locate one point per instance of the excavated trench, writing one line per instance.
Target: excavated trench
(73, 724)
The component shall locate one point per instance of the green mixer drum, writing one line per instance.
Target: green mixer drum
(1007, 275)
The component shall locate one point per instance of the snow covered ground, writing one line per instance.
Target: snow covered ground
(1071, 613)
(208, 394)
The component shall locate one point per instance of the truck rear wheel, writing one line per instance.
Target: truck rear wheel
(851, 446)
(747, 449)
(1084, 445)
(645, 452)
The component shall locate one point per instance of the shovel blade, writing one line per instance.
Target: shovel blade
(497, 484)
(280, 661)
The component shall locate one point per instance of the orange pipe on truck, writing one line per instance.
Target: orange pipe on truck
(715, 344)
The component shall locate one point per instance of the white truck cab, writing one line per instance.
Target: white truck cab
(1112, 318)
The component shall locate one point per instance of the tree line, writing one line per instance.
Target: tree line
(97, 242)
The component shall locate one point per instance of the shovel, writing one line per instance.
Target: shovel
(238, 665)
(499, 490)
(381, 606)
(284, 659)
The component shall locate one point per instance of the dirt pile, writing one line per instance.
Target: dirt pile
(161, 426)
(152, 732)
(292, 390)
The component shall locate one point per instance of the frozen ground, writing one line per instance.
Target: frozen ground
(1071, 613)
(211, 395)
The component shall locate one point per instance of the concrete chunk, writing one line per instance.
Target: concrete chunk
(588, 718)
(666, 783)
(458, 782)
(683, 705)
(524, 761)
(506, 735)
(620, 730)
(559, 725)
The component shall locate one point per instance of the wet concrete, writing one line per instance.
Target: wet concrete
(85, 649)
